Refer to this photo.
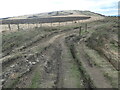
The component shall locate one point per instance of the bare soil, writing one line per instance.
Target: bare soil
(50, 62)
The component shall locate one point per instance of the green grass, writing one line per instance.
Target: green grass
(107, 69)
(113, 83)
(35, 80)
(13, 83)
(82, 69)
(77, 75)
(12, 40)
(12, 57)
(75, 72)
(77, 68)
(113, 47)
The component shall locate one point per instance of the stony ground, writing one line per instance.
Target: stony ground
(59, 59)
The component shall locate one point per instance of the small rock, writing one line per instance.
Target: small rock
(37, 60)
(2, 80)
(28, 69)
(26, 60)
(45, 64)
(30, 63)
(33, 63)
(42, 55)
(16, 70)
(12, 66)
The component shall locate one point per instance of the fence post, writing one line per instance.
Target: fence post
(85, 27)
(18, 27)
(9, 26)
(79, 30)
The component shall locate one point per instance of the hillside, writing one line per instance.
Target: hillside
(70, 54)
(45, 19)
(58, 13)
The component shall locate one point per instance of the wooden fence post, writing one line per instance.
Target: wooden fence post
(9, 26)
(85, 27)
(39, 24)
(18, 27)
(79, 30)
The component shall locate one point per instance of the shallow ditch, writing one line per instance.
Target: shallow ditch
(87, 82)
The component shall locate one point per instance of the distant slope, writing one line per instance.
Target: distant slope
(57, 14)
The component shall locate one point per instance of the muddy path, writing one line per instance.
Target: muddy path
(93, 71)
(46, 71)
(50, 67)
(27, 63)
(13, 58)
(70, 76)
(92, 75)
(51, 63)
(55, 69)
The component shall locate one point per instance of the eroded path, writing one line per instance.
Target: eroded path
(94, 72)
(49, 63)
(55, 67)
(46, 60)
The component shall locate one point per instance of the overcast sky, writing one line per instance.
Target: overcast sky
(11, 8)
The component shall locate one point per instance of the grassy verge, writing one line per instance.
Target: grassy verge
(85, 76)
(77, 75)
(87, 82)
(12, 40)
(13, 83)
(107, 69)
(35, 80)
(75, 72)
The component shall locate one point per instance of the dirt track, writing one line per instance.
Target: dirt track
(53, 66)
(55, 70)
(49, 55)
